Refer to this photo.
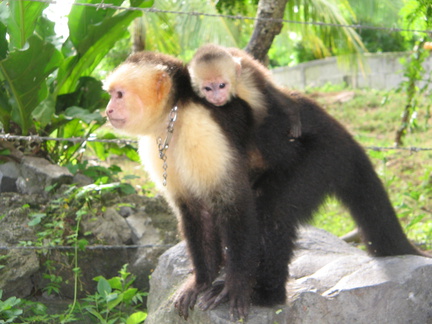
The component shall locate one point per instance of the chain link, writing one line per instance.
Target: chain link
(163, 147)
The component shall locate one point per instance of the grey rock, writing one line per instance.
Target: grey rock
(110, 228)
(19, 281)
(81, 180)
(331, 282)
(142, 228)
(148, 222)
(9, 173)
(154, 238)
(38, 173)
(173, 269)
(32, 175)
(19, 265)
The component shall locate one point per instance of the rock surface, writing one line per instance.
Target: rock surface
(149, 223)
(330, 282)
(32, 175)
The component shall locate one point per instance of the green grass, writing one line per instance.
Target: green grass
(373, 117)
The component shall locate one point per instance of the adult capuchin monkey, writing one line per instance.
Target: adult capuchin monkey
(234, 210)
(219, 74)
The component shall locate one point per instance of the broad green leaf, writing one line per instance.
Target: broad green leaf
(115, 283)
(105, 180)
(96, 314)
(113, 300)
(136, 318)
(45, 29)
(5, 108)
(74, 128)
(129, 294)
(84, 115)
(4, 12)
(3, 42)
(99, 149)
(82, 20)
(22, 20)
(103, 287)
(127, 189)
(88, 94)
(36, 219)
(92, 95)
(44, 112)
(25, 73)
(93, 32)
(141, 3)
(113, 297)
(129, 151)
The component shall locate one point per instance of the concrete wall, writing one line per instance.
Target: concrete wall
(382, 71)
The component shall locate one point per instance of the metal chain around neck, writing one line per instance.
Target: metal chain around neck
(163, 146)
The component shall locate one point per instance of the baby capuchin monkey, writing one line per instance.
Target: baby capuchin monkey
(220, 74)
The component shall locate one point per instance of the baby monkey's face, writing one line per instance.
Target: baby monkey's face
(216, 91)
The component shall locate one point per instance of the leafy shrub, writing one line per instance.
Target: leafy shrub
(45, 85)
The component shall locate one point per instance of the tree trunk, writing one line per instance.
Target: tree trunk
(138, 36)
(265, 30)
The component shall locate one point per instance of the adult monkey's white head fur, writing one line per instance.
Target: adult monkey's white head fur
(153, 85)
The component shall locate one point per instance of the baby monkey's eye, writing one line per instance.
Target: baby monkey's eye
(207, 88)
(222, 85)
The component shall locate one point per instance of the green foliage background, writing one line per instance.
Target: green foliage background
(46, 86)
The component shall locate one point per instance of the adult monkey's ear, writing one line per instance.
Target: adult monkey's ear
(163, 84)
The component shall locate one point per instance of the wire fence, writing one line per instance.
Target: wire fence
(104, 6)
(88, 247)
(38, 139)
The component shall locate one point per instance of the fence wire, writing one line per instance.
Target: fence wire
(104, 6)
(89, 247)
(37, 138)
